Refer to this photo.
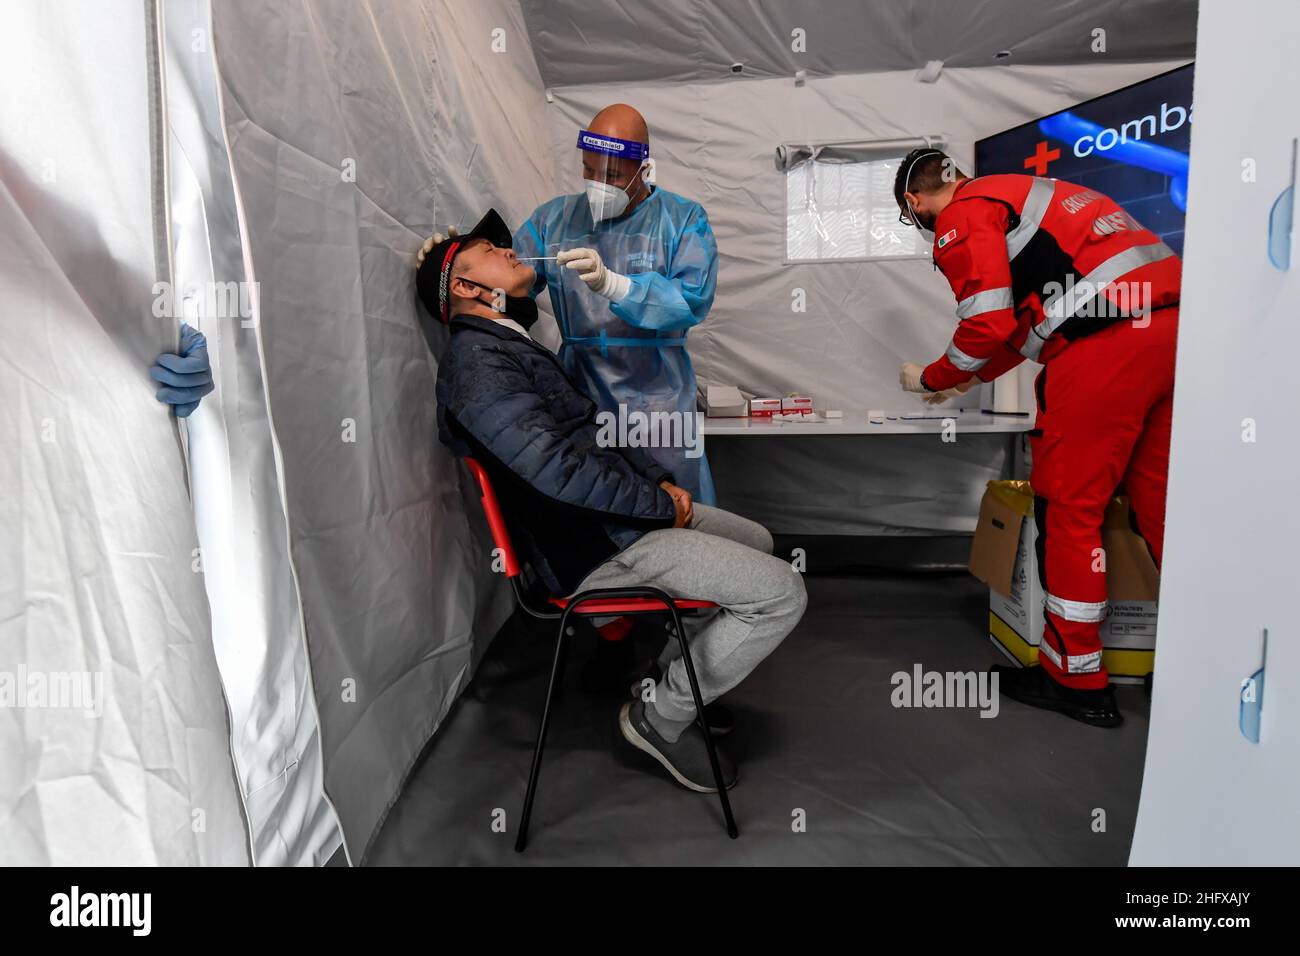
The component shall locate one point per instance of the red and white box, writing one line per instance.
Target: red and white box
(764, 407)
(797, 405)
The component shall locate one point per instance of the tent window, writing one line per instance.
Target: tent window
(846, 210)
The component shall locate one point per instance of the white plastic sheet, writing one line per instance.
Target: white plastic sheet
(238, 503)
(125, 759)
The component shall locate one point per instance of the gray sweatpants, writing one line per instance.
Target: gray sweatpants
(719, 557)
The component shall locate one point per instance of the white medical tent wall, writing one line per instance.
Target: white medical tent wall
(1210, 794)
(285, 594)
(114, 744)
(355, 129)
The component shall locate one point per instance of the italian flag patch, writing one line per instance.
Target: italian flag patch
(946, 238)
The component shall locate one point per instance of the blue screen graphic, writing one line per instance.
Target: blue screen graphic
(1131, 145)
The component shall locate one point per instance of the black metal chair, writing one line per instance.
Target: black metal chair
(591, 603)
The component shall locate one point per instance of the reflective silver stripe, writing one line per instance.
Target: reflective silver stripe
(1074, 664)
(1047, 649)
(990, 300)
(1033, 345)
(1076, 610)
(1083, 663)
(1031, 216)
(1060, 308)
(963, 361)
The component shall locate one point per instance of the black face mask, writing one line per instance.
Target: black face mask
(521, 308)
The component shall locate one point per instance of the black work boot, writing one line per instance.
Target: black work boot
(1033, 686)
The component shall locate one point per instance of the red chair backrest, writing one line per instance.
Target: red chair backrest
(496, 521)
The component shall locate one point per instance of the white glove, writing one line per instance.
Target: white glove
(909, 377)
(938, 398)
(432, 241)
(591, 270)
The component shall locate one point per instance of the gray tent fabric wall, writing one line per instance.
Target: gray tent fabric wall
(235, 476)
(99, 588)
(355, 129)
(714, 141)
(579, 43)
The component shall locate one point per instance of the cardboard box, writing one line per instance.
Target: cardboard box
(1003, 556)
(764, 407)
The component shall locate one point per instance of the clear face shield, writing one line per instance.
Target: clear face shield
(614, 172)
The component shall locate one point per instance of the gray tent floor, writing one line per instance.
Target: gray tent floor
(817, 740)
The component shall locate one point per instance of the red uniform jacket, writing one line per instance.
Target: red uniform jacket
(1036, 263)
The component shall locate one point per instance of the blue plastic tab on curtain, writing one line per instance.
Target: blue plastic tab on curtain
(1252, 698)
(1281, 222)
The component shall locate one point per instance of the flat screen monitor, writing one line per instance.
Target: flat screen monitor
(1131, 144)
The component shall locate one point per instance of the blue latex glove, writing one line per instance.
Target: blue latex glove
(186, 377)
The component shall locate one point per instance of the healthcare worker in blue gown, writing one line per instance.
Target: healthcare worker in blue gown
(636, 268)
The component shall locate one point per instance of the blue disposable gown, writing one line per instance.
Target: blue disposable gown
(632, 352)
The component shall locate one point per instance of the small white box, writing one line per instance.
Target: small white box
(797, 405)
(724, 401)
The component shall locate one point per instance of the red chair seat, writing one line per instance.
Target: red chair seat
(629, 605)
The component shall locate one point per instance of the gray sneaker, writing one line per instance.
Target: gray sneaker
(687, 760)
(717, 714)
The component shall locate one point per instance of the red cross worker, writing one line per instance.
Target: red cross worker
(1047, 270)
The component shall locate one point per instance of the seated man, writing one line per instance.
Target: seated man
(585, 515)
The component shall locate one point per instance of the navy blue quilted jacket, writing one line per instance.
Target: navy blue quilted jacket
(569, 503)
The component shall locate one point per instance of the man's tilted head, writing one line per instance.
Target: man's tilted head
(477, 273)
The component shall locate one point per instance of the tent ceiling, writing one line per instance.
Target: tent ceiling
(578, 42)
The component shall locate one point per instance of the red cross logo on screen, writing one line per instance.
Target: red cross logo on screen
(1042, 156)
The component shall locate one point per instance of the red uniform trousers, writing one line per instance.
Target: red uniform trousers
(1105, 406)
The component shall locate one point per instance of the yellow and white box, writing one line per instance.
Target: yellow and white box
(1003, 556)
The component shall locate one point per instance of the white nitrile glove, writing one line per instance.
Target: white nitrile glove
(432, 241)
(909, 377)
(938, 398)
(591, 270)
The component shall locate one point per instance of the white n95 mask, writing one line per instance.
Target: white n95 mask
(607, 160)
(606, 201)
